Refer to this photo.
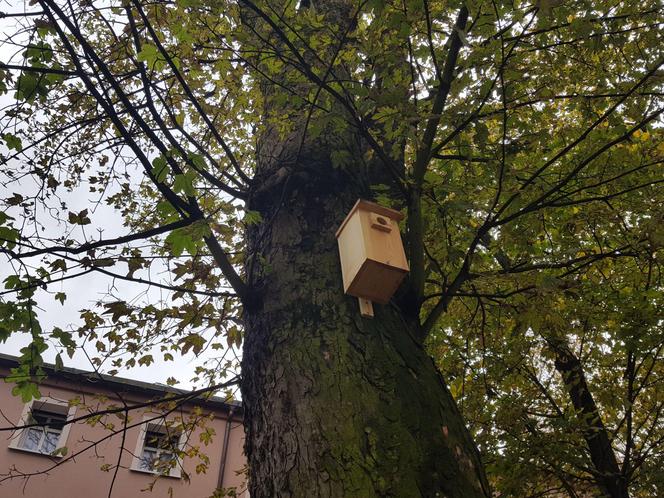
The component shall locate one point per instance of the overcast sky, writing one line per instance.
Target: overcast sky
(82, 292)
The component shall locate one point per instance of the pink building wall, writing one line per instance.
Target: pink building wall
(83, 476)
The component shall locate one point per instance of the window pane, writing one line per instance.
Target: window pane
(50, 442)
(147, 459)
(159, 440)
(164, 463)
(31, 438)
(154, 439)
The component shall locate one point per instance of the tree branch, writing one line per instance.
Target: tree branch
(107, 242)
(415, 220)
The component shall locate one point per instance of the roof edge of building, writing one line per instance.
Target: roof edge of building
(128, 385)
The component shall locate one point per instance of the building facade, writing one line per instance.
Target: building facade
(92, 435)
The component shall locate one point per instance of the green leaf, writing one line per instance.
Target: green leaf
(160, 168)
(26, 86)
(252, 218)
(58, 265)
(62, 451)
(4, 333)
(13, 142)
(59, 365)
(180, 240)
(146, 360)
(117, 310)
(39, 53)
(15, 200)
(8, 237)
(65, 338)
(27, 391)
(149, 53)
(184, 183)
(80, 218)
(198, 161)
(13, 282)
(193, 342)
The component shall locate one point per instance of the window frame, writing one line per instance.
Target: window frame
(160, 426)
(49, 406)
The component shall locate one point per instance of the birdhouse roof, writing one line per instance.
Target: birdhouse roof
(373, 208)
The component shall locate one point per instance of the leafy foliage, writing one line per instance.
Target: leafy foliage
(524, 142)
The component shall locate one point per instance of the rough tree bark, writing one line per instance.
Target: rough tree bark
(337, 405)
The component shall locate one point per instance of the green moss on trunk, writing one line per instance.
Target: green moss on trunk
(337, 405)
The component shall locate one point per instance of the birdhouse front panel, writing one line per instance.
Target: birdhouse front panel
(373, 261)
(382, 240)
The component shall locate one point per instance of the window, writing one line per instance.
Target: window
(157, 449)
(43, 438)
(48, 429)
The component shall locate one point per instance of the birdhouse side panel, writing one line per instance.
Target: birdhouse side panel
(352, 250)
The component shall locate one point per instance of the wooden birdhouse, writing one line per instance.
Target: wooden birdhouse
(373, 261)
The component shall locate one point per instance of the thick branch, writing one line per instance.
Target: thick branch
(42, 70)
(422, 158)
(608, 474)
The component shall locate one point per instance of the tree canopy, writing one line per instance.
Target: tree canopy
(522, 141)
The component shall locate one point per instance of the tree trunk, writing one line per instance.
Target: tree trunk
(608, 475)
(335, 405)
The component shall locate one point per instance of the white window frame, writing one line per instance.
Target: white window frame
(44, 404)
(152, 424)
